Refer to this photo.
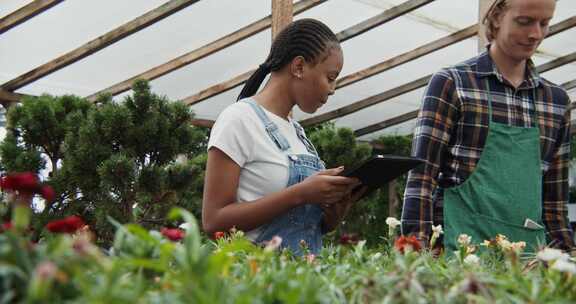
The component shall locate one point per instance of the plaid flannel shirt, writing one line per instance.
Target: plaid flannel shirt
(451, 131)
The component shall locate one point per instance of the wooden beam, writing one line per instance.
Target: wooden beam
(99, 43)
(408, 56)
(7, 98)
(561, 26)
(569, 85)
(346, 34)
(367, 102)
(387, 123)
(204, 123)
(203, 51)
(421, 82)
(24, 13)
(386, 16)
(560, 61)
(411, 115)
(282, 13)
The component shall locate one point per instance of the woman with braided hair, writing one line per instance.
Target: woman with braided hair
(263, 175)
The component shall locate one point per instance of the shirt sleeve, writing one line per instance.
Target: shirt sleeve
(434, 124)
(231, 135)
(556, 189)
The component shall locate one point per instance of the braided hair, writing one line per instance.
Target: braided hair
(308, 38)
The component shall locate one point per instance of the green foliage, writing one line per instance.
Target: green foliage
(338, 146)
(394, 144)
(108, 159)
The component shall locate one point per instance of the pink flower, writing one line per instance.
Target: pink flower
(66, 225)
(173, 234)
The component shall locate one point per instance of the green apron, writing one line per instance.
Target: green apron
(502, 192)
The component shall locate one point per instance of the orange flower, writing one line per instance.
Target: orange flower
(407, 244)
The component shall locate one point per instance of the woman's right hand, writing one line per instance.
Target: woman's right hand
(326, 187)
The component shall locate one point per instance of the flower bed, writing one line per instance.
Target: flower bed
(176, 265)
(149, 266)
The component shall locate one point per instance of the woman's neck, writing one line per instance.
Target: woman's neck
(275, 97)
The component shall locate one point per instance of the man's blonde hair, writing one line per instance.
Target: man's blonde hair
(497, 8)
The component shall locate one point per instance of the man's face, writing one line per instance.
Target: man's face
(522, 26)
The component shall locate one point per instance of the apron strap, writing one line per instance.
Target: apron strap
(534, 122)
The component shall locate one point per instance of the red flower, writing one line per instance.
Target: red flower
(173, 234)
(219, 235)
(5, 226)
(26, 183)
(67, 225)
(48, 193)
(407, 243)
(349, 239)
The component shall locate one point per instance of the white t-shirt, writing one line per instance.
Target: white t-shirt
(240, 134)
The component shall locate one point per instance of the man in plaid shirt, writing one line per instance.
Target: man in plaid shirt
(496, 139)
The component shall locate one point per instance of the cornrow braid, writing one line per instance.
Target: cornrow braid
(308, 38)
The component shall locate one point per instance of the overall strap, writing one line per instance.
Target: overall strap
(300, 131)
(271, 128)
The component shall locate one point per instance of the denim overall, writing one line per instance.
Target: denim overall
(303, 222)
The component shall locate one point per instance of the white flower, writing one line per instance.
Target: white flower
(500, 238)
(185, 226)
(437, 229)
(472, 259)
(464, 239)
(392, 222)
(551, 254)
(376, 256)
(505, 244)
(273, 244)
(564, 266)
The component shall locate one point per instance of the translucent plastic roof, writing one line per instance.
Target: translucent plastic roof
(70, 24)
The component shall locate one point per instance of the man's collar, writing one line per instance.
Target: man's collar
(487, 67)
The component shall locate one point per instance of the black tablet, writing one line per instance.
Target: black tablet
(381, 169)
